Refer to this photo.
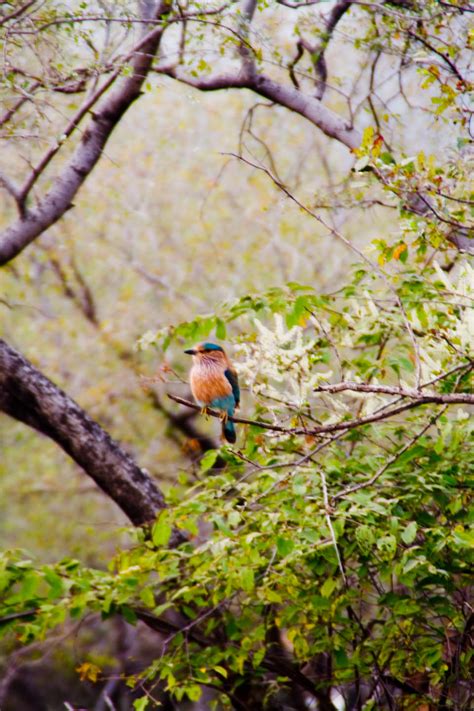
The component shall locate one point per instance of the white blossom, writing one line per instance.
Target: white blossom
(278, 364)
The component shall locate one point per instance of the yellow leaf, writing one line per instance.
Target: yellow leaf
(88, 671)
(399, 250)
(377, 146)
(367, 137)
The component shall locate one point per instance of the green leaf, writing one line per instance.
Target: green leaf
(284, 546)
(140, 704)
(221, 671)
(465, 539)
(161, 531)
(194, 692)
(233, 519)
(328, 587)
(387, 545)
(55, 582)
(387, 158)
(311, 535)
(272, 596)
(220, 329)
(128, 614)
(161, 608)
(147, 597)
(409, 534)
(208, 460)
(406, 606)
(365, 538)
(407, 456)
(247, 579)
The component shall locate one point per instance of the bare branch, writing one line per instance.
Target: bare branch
(55, 203)
(329, 523)
(241, 420)
(246, 51)
(460, 8)
(216, 83)
(125, 19)
(296, 5)
(317, 53)
(8, 113)
(385, 414)
(294, 62)
(16, 13)
(72, 125)
(11, 188)
(328, 121)
(440, 398)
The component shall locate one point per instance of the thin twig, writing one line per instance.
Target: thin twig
(330, 526)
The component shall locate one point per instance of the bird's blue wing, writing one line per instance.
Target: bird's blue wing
(231, 376)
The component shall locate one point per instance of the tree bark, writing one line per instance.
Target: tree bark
(28, 396)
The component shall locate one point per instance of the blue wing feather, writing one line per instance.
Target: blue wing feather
(233, 379)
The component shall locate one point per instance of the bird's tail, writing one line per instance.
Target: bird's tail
(228, 431)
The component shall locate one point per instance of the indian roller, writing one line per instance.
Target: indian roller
(214, 383)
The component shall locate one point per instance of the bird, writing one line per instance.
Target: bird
(214, 383)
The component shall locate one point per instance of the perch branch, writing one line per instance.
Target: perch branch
(323, 429)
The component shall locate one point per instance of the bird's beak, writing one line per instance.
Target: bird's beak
(190, 351)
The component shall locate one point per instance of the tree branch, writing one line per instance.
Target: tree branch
(307, 106)
(322, 429)
(55, 203)
(311, 108)
(28, 396)
(245, 49)
(440, 398)
(10, 187)
(317, 53)
(296, 5)
(16, 13)
(438, 52)
(8, 113)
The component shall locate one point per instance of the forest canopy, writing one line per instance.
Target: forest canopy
(291, 180)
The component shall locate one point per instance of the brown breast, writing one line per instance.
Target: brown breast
(207, 384)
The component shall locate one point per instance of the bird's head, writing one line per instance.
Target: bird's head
(207, 352)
